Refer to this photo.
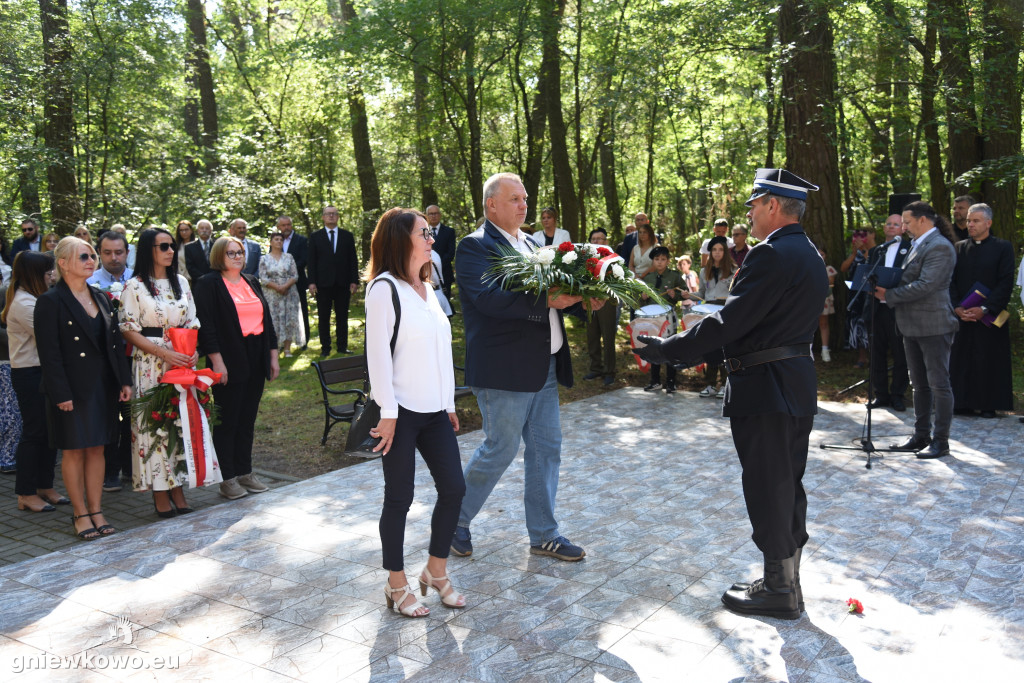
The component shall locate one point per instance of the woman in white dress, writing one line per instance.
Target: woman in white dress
(640, 258)
(278, 275)
(155, 300)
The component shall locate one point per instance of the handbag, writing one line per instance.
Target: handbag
(366, 413)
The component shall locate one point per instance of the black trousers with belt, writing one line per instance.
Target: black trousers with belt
(238, 402)
(337, 298)
(35, 459)
(433, 435)
(773, 453)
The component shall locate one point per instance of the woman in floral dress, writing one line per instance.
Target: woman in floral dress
(155, 300)
(278, 275)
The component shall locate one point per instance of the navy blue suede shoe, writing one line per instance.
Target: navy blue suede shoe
(462, 545)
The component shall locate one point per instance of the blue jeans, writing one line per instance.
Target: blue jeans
(928, 363)
(508, 417)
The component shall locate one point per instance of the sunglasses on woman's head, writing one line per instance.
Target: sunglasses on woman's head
(87, 257)
(164, 246)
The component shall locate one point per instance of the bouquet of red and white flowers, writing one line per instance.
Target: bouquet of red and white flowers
(586, 270)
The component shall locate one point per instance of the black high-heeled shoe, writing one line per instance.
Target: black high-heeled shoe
(166, 514)
(90, 534)
(181, 509)
(104, 529)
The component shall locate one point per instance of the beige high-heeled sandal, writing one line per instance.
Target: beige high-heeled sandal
(410, 611)
(449, 596)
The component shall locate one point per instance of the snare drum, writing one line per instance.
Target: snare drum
(698, 313)
(653, 320)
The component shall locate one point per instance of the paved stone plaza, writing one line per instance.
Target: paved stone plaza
(286, 585)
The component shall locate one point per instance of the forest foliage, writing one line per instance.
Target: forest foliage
(150, 111)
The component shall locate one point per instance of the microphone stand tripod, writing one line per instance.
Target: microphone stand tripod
(867, 446)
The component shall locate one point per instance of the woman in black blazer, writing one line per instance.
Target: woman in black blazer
(85, 374)
(237, 335)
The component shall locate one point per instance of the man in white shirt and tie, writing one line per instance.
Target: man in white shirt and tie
(197, 252)
(333, 274)
(887, 337)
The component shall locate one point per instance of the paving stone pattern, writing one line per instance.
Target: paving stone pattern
(287, 585)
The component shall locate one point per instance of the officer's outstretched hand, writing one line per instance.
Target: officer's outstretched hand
(652, 352)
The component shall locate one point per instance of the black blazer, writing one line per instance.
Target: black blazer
(298, 247)
(219, 329)
(508, 336)
(195, 259)
(20, 245)
(775, 300)
(67, 353)
(877, 254)
(338, 269)
(444, 245)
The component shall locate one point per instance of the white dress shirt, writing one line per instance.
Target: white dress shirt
(890, 254)
(524, 245)
(421, 375)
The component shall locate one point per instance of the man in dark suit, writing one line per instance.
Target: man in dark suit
(629, 241)
(444, 245)
(298, 246)
(887, 338)
(925, 318)
(30, 238)
(333, 273)
(253, 252)
(197, 252)
(516, 356)
(764, 332)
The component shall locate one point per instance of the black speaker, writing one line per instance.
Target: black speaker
(898, 201)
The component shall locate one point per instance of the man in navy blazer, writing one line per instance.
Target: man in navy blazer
(516, 356)
(444, 245)
(887, 337)
(298, 246)
(765, 332)
(30, 239)
(253, 252)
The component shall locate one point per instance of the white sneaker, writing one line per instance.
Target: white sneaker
(251, 484)
(721, 392)
(825, 355)
(707, 392)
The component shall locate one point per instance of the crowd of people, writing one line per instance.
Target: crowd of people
(90, 330)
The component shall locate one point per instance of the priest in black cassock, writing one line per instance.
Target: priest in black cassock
(979, 363)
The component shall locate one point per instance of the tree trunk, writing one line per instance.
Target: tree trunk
(1001, 112)
(198, 75)
(771, 107)
(939, 195)
(476, 169)
(424, 146)
(537, 121)
(58, 113)
(809, 116)
(551, 75)
(608, 181)
(26, 157)
(964, 148)
(369, 189)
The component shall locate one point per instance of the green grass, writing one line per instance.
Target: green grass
(291, 415)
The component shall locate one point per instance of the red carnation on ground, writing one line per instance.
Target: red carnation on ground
(856, 607)
(566, 246)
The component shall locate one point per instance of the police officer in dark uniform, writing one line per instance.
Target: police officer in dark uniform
(764, 334)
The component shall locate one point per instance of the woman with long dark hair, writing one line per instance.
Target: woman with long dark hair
(640, 261)
(413, 382)
(715, 281)
(85, 374)
(155, 300)
(35, 459)
(239, 338)
(183, 234)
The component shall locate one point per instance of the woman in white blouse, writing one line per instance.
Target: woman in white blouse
(414, 385)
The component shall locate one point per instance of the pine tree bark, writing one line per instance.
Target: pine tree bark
(963, 138)
(58, 114)
(199, 82)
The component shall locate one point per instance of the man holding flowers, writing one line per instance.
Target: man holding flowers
(516, 356)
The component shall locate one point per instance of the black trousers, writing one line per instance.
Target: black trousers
(670, 374)
(304, 305)
(773, 453)
(336, 298)
(118, 453)
(433, 435)
(35, 459)
(888, 339)
(601, 328)
(239, 402)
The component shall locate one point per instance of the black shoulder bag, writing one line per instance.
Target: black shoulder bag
(367, 414)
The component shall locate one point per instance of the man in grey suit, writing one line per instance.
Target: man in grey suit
(925, 318)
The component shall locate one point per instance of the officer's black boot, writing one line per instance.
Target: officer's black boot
(775, 595)
(799, 591)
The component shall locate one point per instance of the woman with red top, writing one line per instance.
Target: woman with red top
(237, 335)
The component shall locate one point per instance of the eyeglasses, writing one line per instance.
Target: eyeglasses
(234, 254)
(428, 234)
(87, 257)
(164, 246)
